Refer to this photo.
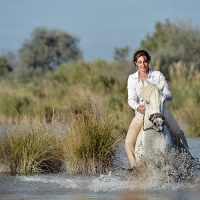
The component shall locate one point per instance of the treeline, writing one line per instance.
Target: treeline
(48, 49)
(173, 42)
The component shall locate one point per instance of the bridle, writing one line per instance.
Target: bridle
(152, 118)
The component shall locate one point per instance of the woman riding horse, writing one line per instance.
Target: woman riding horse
(135, 85)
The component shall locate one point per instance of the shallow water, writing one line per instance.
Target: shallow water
(118, 184)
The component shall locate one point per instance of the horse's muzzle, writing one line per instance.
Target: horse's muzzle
(155, 116)
(158, 121)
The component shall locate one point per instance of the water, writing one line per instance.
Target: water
(118, 184)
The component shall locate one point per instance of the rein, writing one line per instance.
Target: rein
(151, 118)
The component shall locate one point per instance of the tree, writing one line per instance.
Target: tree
(172, 42)
(121, 54)
(47, 49)
(5, 67)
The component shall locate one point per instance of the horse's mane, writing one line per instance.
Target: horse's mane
(146, 91)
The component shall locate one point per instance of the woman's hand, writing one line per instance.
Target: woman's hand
(141, 108)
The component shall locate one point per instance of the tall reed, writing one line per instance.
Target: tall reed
(90, 141)
(185, 84)
(191, 116)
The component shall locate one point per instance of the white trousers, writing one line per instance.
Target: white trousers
(135, 127)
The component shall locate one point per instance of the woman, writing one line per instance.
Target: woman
(135, 84)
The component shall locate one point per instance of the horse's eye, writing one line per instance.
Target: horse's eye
(147, 101)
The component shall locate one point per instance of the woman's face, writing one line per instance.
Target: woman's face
(143, 64)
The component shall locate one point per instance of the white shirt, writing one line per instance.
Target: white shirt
(135, 86)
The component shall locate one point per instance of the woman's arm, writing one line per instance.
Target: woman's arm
(132, 95)
(166, 90)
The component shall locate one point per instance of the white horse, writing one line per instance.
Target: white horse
(154, 138)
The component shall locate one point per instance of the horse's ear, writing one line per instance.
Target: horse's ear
(146, 83)
(161, 84)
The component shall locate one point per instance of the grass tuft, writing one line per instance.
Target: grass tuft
(91, 141)
(30, 148)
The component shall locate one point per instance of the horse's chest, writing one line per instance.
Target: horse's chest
(150, 143)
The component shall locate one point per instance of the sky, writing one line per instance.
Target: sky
(101, 25)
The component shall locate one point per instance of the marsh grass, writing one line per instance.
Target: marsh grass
(85, 145)
(191, 116)
(185, 84)
(91, 140)
(103, 79)
(31, 147)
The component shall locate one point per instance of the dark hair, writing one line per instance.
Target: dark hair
(141, 53)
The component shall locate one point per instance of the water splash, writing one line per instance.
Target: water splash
(173, 172)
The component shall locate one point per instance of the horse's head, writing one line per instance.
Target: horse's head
(154, 104)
